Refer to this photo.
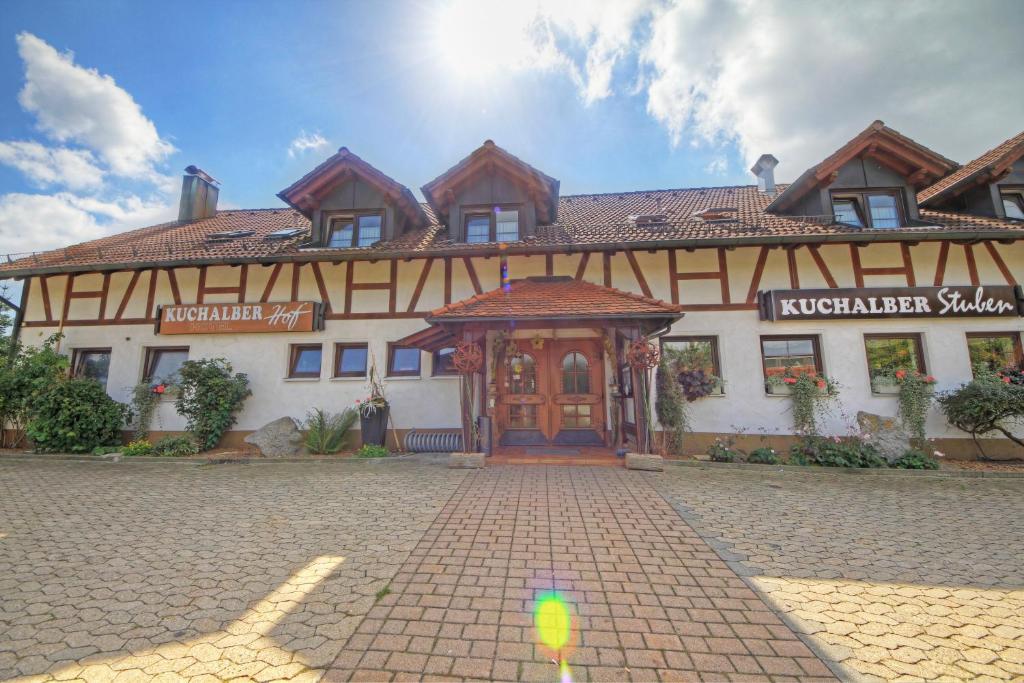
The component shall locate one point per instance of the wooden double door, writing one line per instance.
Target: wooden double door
(553, 394)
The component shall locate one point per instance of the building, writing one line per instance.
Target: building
(885, 244)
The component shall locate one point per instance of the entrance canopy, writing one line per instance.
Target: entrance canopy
(544, 302)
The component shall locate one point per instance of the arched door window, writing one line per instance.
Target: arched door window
(522, 374)
(575, 373)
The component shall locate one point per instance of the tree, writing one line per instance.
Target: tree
(988, 404)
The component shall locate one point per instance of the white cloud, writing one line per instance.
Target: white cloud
(795, 79)
(36, 222)
(717, 166)
(115, 148)
(74, 168)
(305, 142)
(75, 104)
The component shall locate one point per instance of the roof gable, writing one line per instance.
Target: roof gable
(545, 298)
(305, 193)
(915, 162)
(989, 167)
(543, 189)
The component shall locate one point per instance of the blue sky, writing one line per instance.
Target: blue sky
(605, 96)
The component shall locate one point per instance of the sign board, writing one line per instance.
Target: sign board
(891, 302)
(292, 316)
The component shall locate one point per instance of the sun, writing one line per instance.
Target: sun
(481, 40)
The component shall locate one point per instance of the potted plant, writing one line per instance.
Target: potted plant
(374, 411)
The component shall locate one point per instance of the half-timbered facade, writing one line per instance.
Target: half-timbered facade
(884, 240)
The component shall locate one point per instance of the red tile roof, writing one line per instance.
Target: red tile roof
(554, 298)
(589, 220)
(995, 160)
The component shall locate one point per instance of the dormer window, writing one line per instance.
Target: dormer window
(1013, 202)
(875, 209)
(497, 224)
(354, 230)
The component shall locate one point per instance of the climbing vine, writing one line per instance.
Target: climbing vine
(670, 406)
(915, 398)
(811, 396)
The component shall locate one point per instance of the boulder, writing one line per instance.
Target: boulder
(466, 461)
(644, 461)
(884, 433)
(278, 439)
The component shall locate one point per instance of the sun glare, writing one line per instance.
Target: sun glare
(481, 40)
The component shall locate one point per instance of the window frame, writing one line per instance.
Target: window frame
(576, 374)
(1013, 193)
(339, 349)
(392, 347)
(355, 215)
(78, 354)
(1018, 347)
(819, 362)
(491, 211)
(859, 197)
(294, 353)
(922, 366)
(434, 364)
(716, 358)
(149, 363)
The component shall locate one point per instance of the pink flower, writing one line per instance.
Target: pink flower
(929, 379)
(821, 384)
(1006, 380)
(900, 374)
(789, 380)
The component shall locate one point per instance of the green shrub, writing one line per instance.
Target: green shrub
(915, 460)
(798, 456)
(325, 433)
(175, 446)
(988, 404)
(723, 452)
(836, 452)
(670, 406)
(763, 456)
(74, 416)
(144, 402)
(25, 371)
(369, 450)
(138, 447)
(209, 398)
(106, 450)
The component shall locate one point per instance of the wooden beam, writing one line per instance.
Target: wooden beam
(673, 272)
(268, 290)
(581, 269)
(607, 260)
(127, 295)
(723, 270)
(638, 274)
(755, 279)
(940, 267)
(447, 280)
(794, 276)
(549, 264)
(172, 278)
(420, 283)
(296, 276)
(822, 266)
(325, 297)
(908, 264)
(858, 272)
(1000, 263)
(44, 282)
(972, 265)
(393, 294)
(472, 274)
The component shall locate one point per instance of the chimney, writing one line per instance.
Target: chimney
(764, 169)
(198, 195)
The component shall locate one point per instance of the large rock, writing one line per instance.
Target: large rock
(884, 433)
(278, 439)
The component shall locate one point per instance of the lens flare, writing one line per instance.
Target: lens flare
(554, 625)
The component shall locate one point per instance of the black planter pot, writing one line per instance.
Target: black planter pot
(374, 428)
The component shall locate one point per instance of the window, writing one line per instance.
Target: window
(880, 210)
(575, 373)
(442, 361)
(576, 416)
(892, 353)
(91, 364)
(522, 374)
(403, 361)
(304, 361)
(163, 364)
(1013, 202)
(694, 353)
(792, 356)
(994, 351)
(498, 224)
(350, 360)
(360, 230)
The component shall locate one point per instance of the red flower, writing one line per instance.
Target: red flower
(789, 380)
(900, 374)
(159, 389)
(821, 384)
(1006, 380)
(929, 379)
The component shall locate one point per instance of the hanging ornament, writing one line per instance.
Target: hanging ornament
(537, 342)
(642, 354)
(468, 357)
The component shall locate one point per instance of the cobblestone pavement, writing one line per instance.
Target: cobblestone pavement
(896, 578)
(181, 571)
(651, 601)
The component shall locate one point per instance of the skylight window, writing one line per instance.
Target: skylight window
(285, 233)
(229, 235)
